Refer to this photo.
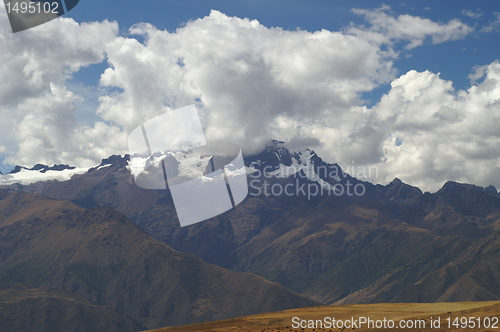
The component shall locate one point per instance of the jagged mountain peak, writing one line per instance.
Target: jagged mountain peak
(396, 181)
(118, 160)
(452, 188)
(467, 200)
(398, 190)
(491, 189)
(273, 154)
(42, 168)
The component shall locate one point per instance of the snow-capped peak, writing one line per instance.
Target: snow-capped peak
(39, 173)
(302, 162)
(26, 176)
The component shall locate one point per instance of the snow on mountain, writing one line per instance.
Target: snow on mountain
(301, 161)
(274, 161)
(27, 176)
(103, 166)
(279, 162)
(41, 173)
(42, 168)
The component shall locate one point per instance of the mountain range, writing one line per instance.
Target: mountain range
(392, 243)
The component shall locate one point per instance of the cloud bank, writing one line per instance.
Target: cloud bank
(253, 83)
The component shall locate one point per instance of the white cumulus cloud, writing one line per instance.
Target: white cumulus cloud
(36, 109)
(446, 134)
(253, 83)
(413, 29)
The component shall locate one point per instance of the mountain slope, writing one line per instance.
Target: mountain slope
(417, 315)
(100, 256)
(43, 309)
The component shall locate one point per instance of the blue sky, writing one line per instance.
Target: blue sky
(396, 85)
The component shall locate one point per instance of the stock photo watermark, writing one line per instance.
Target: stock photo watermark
(27, 14)
(205, 179)
(329, 180)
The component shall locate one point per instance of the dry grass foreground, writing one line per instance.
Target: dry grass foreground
(282, 320)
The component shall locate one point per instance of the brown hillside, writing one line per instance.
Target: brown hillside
(102, 257)
(282, 321)
(43, 309)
